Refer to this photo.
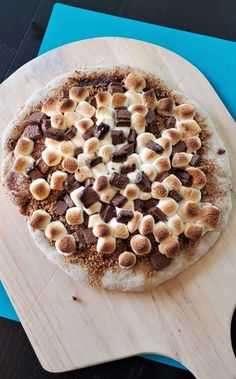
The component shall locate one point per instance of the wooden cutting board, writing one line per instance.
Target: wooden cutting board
(187, 318)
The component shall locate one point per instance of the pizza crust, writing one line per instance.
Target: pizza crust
(125, 280)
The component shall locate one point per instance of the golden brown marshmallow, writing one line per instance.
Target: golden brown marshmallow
(148, 156)
(84, 124)
(22, 162)
(67, 105)
(210, 216)
(129, 206)
(126, 259)
(57, 180)
(103, 98)
(94, 220)
(78, 93)
(131, 191)
(85, 109)
(106, 152)
(145, 195)
(190, 193)
(71, 118)
(133, 159)
(39, 219)
(169, 247)
(66, 149)
(162, 164)
(83, 173)
(140, 245)
(138, 122)
(104, 112)
(74, 216)
(78, 140)
(149, 99)
(193, 231)
(138, 108)
(66, 245)
(102, 230)
(198, 177)
(159, 190)
(181, 160)
(161, 231)
(172, 183)
(174, 135)
(70, 165)
(119, 100)
(165, 106)
(55, 230)
(50, 106)
(168, 206)
(135, 82)
(51, 157)
(146, 225)
(58, 121)
(91, 145)
(190, 211)
(24, 146)
(133, 97)
(106, 245)
(134, 223)
(184, 111)
(175, 225)
(120, 230)
(188, 128)
(193, 144)
(40, 189)
(51, 143)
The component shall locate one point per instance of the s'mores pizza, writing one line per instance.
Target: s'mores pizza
(123, 181)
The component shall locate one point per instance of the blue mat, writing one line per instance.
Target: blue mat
(216, 58)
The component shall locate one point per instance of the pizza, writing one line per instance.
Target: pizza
(123, 181)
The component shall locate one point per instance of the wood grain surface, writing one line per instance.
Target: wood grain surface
(187, 318)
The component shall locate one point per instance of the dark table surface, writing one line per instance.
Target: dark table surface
(22, 26)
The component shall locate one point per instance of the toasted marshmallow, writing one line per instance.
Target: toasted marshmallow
(161, 231)
(107, 140)
(142, 141)
(188, 128)
(53, 144)
(85, 109)
(107, 194)
(165, 143)
(149, 99)
(84, 124)
(113, 167)
(94, 220)
(24, 146)
(181, 160)
(39, 219)
(172, 183)
(159, 190)
(81, 159)
(129, 206)
(174, 135)
(119, 100)
(99, 170)
(106, 245)
(66, 245)
(40, 189)
(162, 164)
(126, 260)
(134, 223)
(58, 121)
(22, 162)
(135, 82)
(74, 216)
(150, 170)
(132, 176)
(193, 231)
(91, 145)
(210, 216)
(70, 164)
(67, 105)
(50, 106)
(75, 196)
(184, 111)
(148, 155)
(198, 177)
(103, 98)
(66, 149)
(138, 122)
(51, 157)
(138, 108)
(140, 245)
(190, 211)
(169, 247)
(102, 230)
(71, 118)
(78, 93)
(78, 140)
(133, 159)
(145, 195)
(83, 173)
(104, 112)
(146, 225)
(55, 230)
(189, 193)
(165, 106)
(94, 208)
(168, 206)
(106, 152)
(131, 191)
(57, 180)
(119, 230)
(193, 144)
(133, 97)
(175, 225)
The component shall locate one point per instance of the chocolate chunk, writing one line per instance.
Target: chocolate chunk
(119, 156)
(150, 116)
(61, 208)
(79, 238)
(115, 87)
(89, 182)
(157, 214)
(119, 180)
(132, 136)
(128, 168)
(107, 212)
(78, 150)
(124, 216)
(220, 151)
(89, 237)
(147, 204)
(128, 149)
(94, 161)
(179, 147)
(88, 197)
(170, 122)
(159, 261)
(34, 173)
(32, 132)
(91, 100)
(36, 118)
(89, 133)
(101, 130)
(155, 147)
(175, 195)
(138, 205)
(184, 177)
(143, 181)
(46, 124)
(71, 183)
(120, 246)
(68, 201)
(153, 128)
(101, 183)
(55, 134)
(71, 133)
(195, 160)
(161, 176)
(122, 117)
(119, 200)
(117, 137)
(42, 166)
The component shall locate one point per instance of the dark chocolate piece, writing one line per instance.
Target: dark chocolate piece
(153, 128)
(117, 137)
(102, 183)
(115, 87)
(195, 160)
(61, 208)
(88, 197)
(120, 246)
(170, 122)
(132, 136)
(220, 151)
(89, 181)
(32, 132)
(155, 147)
(159, 261)
(179, 147)
(138, 205)
(150, 203)
(124, 216)
(78, 150)
(71, 133)
(94, 161)
(157, 214)
(42, 166)
(161, 176)
(68, 201)
(71, 183)
(34, 173)
(150, 116)
(119, 180)
(127, 149)
(80, 241)
(36, 118)
(143, 181)
(175, 195)
(119, 200)
(184, 177)
(119, 156)
(55, 134)
(46, 124)
(107, 212)
(128, 168)
(122, 117)
(89, 133)
(89, 237)
(101, 130)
